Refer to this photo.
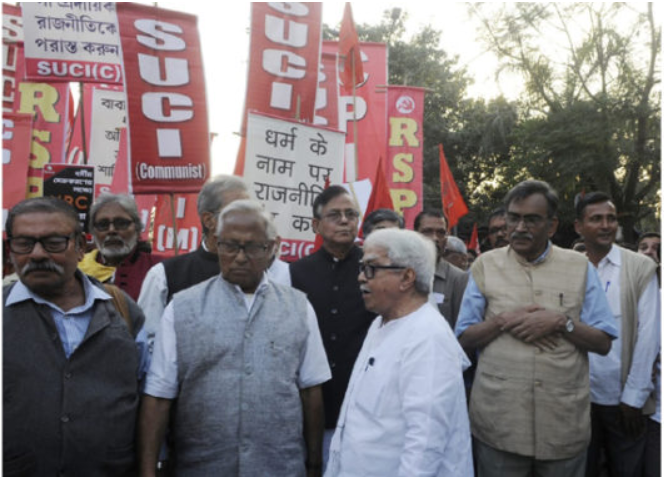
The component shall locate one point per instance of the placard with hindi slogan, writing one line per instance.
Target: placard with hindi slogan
(287, 163)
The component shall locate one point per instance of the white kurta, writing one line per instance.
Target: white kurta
(404, 413)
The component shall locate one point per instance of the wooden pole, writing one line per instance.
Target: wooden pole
(175, 224)
(83, 140)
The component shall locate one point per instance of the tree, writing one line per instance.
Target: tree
(590, 113)
(475, 135)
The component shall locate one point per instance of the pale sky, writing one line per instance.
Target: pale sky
(225, 42)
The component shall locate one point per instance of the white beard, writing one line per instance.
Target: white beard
(117, 251)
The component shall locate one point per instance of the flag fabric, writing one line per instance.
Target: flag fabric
(474, 243)
(349, 51)
(453, 205)
(380, 197)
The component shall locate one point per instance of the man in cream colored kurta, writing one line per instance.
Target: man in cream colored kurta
(404, 413)
(535, 311)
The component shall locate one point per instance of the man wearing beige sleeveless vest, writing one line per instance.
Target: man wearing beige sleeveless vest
(621, 382)
(534, 311)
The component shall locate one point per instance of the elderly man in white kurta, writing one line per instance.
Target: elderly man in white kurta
(404, 413)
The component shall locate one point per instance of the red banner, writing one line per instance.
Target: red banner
(187, 220)
(169, 141)
(283, 63)
(404, 149)
(16, 133)
(46, 103)
(283, 60)
(370, 111)
(327, 97)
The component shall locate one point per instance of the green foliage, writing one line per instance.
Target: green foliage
(588, 118)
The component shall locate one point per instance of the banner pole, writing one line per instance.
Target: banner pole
(175, 225)
(82, 106)
(355, 138)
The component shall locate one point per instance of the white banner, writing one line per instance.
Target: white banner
(108, 117)
(72, 41)
(286, 165)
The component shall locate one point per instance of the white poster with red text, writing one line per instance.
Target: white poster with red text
(169, 140)
(72, 41)
(403, 168)
(287, 164)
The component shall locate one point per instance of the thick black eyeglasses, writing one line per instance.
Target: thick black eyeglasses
(118, 224)
(251, 249)
(369, 270)
(52, 243)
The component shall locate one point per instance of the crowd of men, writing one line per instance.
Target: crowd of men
(399, 355)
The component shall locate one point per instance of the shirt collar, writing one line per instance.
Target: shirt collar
(542, 257)
(613, 257)
(21, 293)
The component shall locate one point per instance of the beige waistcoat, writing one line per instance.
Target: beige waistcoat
(526, 401)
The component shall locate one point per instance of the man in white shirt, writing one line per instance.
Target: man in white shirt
(621, 381)
(404, 412)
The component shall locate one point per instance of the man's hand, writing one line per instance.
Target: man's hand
(535, 325)
(632, 420)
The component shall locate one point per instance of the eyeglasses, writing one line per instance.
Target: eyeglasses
(336, 215)
(369, 270)
(251, 249)
(52, 243)
(530, 221)
(118, 224)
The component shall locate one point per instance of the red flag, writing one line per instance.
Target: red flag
(380, 194)
(318, 242)
(349, 51)
(474, 243)
(453, 204)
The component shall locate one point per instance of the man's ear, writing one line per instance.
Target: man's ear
(81, 242)
(209, 220)
(577, 227)
(408, 279)
(553, 226)
(314, 224)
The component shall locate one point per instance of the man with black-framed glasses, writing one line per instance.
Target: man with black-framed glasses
(329, 278)
(71, 363)
(120, 258)
(535, 311)
(405, 411)
(239, 360)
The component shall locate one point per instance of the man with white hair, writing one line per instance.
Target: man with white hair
(456, 252)
(404, 412)
(240, 361)
(120, 258)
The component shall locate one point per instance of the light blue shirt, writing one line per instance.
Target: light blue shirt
(595, 312)
(73, 324)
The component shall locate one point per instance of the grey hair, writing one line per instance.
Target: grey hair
(455, 244)
(210, 198)
(248, 206)
(408, 249)
(127, 203)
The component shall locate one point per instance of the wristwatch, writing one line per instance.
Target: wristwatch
(569, 326)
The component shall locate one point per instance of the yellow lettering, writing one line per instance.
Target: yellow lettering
(35, 187)
(402, 163)
(40, 96)
(39, 155)
(403, 128)
(403, 199)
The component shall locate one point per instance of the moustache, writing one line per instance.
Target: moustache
(47, 266)
(521, 235)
